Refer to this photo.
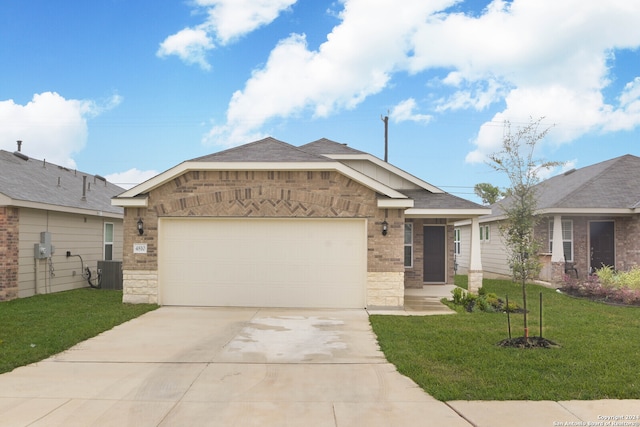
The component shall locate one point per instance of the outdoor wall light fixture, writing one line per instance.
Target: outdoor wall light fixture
(385, 227)
(140, 226)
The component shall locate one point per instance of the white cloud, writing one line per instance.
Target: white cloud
(191, 45)
(627, 115)
(537, 58)
(50, 126)
(404, 111)
(130, 178)
(541, 58)
(550, 172)
(231, 19)
(227, 20)
(357, 60)
(477, 96)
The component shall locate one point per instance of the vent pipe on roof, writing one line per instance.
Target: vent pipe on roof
(18, 153)
(84, 188)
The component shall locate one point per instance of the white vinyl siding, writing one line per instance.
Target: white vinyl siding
(78, 234)
(493, 253)
(381, 175)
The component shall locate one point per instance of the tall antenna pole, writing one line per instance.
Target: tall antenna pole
(385, 119)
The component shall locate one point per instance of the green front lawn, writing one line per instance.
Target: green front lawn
(32, 329)
(455, 357)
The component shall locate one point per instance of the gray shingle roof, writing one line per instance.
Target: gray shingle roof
(612, 184)
(424, 199)
(264, 150)
(37, 181)
(326, 146)
(609, 184)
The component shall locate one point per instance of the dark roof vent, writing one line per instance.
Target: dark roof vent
(101, 178)
(20, 155)
(569, 172)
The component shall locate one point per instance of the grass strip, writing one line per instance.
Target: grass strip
(455, 357)
(34, 328)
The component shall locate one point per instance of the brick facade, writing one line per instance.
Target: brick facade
(264, 194)
(9, 251)
(627, 244)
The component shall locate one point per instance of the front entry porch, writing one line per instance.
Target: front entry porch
(424, 301)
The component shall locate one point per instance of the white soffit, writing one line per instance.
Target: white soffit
(388, 166)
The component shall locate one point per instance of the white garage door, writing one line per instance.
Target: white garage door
(263, 262)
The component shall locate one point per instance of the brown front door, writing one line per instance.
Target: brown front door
(434, 254)
(602, 244)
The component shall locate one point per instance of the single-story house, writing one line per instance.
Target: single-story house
(271, 224)
(594, 211)
(54, 223)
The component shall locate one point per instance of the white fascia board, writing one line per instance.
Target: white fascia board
(388, 166)
(445, 213)
(571, 212)
(64, 209)
(395, 203)
(586, 211)
(184, 167)
(134, 202)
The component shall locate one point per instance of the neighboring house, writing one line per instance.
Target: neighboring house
(270, 224)
(594, 211)
(47, 211)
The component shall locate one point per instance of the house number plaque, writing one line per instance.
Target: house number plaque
(139, 248)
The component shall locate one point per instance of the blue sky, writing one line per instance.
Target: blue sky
(129, 88)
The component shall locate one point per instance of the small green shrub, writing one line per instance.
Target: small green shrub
(607, 276)
(484, 301)
(458, 295)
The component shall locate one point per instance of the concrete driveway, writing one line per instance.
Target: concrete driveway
(223, 367)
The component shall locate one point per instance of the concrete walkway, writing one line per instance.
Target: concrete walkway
(253, 367)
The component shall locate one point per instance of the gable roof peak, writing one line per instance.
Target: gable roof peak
(267, 149)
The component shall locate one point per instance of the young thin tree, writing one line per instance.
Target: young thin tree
(516, 160)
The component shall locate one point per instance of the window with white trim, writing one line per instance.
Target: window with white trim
(456, 241)
(108, 241)
(484, 232)
(567, 239)
(408, 245)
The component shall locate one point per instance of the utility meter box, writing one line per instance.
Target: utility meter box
(44, 249)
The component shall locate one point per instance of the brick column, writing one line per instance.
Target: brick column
(9, 243)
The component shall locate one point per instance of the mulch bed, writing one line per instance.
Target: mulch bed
(611, 300)
(530, 342)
